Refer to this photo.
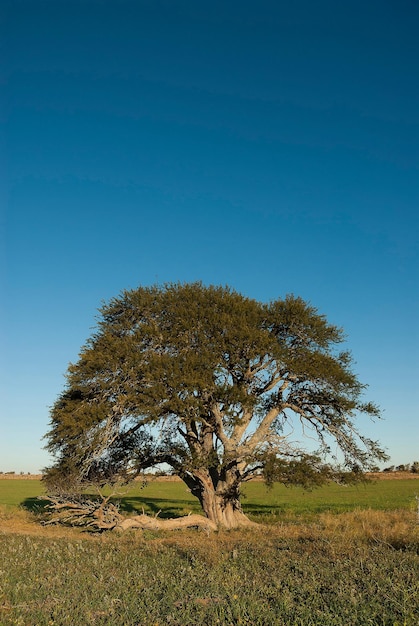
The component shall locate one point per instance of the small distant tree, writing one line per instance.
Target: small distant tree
(207, 381)
(414, 468)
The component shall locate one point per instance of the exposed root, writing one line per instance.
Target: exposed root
(145, 522)
(106, 516)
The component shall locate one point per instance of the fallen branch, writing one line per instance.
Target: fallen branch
(105, 515)
(102, 515)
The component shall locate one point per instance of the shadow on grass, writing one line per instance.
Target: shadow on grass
(164, 507)
(35, 505)
(168, 508)
(256, 510)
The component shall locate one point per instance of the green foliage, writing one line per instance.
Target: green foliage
(307, 471)
(207, 381)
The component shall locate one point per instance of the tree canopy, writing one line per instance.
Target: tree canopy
(207, 381)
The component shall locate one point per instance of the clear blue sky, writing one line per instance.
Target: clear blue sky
(271, 146)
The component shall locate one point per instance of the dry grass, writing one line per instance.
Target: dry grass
(347, 569)
(14, 520)
(393, 475)
(399, 529)
(351, 569)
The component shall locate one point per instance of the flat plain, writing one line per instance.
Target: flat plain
(332, 556)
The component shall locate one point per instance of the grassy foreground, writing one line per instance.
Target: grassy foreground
(311, 565)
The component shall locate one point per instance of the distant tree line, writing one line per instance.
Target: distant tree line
(408, 467)
(13, 473)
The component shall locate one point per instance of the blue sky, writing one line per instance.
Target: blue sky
(270, 146)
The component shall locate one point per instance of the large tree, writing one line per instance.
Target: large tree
(209, 382)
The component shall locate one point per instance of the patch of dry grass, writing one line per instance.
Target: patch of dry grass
(15, 520)
(398, 529)
(351, 569)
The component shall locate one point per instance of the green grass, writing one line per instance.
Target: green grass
(258, 578)
(262, 504)
(17, 491)
(339, 565)
(331, 498)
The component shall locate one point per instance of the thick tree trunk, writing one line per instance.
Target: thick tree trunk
(226, 513)
(218, 491)
(219, 498)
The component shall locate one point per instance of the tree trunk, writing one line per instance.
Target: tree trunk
(219, 497)
(226, 513)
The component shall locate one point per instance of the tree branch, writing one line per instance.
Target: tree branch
(262, 430)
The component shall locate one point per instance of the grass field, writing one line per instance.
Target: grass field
(260, 503)
(331, 557)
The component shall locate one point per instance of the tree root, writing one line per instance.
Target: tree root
(103, 515)
(145, 522)
(106, 516)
